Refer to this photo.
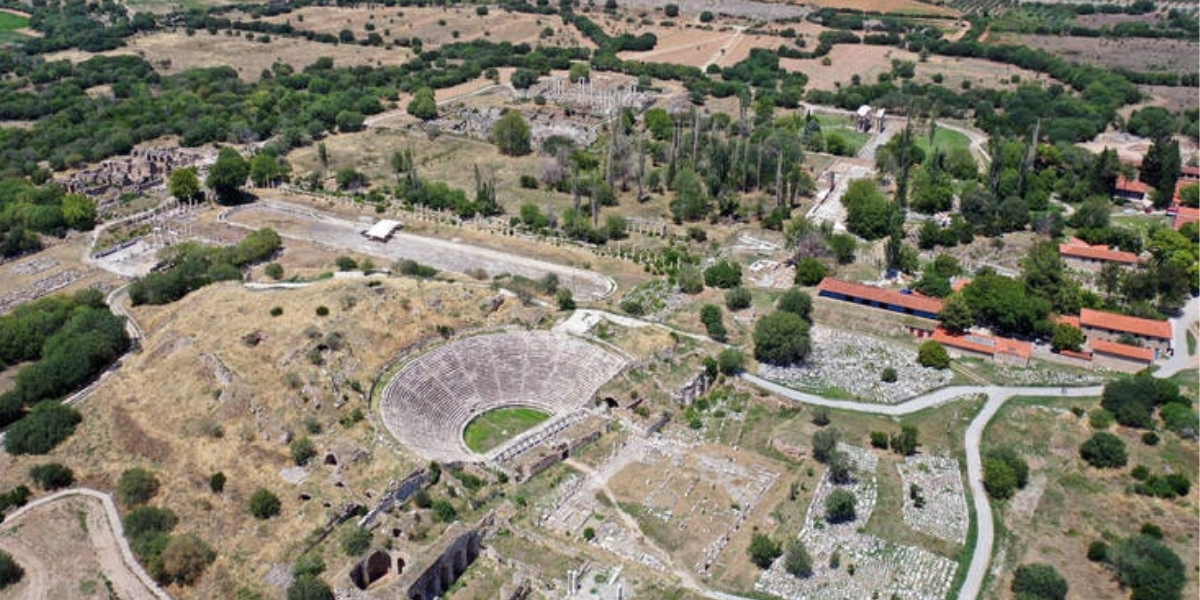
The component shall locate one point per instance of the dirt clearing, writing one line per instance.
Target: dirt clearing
(1138, 54)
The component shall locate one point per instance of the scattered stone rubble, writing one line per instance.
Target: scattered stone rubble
(868, 566)
(854, 363)
(944, 512)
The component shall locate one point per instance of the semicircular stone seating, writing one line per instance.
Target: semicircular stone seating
(429, 402)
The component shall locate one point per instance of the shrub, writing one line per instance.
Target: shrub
(10, 571)
(1150, 438)
(136, 486)
(52, 476)
(731, 361)
(355, 541)
(737, 298)
(529, 182)
(444, 512)
(1097, 551)
(1004, 472)
(589, 533)
(724, 274)
(797, 302)
(276, 311)
(1100, 419)
(302, 451)
(1152, 570)
(710, 315)
(145, 520)
(706, 17)
(43, 429)
(264, 504)
(322, 311)
(824, 442)
(839, 506)
(310, 563)
(1104, 451)
(763, 551)
(797, 560)
(810, 271)
(564, 299)
(933, 354)
(345, 263)
(1039, 581)
(185, 558)
(879, 440)
(274, 271)
(781, 338)
(216, 482)
(309, 587)
(889, 375)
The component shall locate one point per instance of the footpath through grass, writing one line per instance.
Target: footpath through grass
(498, 426)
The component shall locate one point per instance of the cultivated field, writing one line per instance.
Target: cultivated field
(1067, 504)
(1139, 54)
(433, 26)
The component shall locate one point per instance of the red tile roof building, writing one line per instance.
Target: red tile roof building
(999, 349)
(1082, 256)
(893, 300)
(1121, 357)
(1131, 188)
(1186, 215)
(1099, 325)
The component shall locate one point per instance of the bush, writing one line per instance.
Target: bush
(933, 354)
(309, 587)
(274, 271)
(52, 476)
(879, 440)
(1004, 472)
(1097, 551)
(216, 482)
(1152, 570)
(444, 512)
(355, 541)
(43, 429)
(1039, 581)
(1150, 438)
(264, 504)
(781, 338)
(810, 272)
(1132, 400)
(146, 520)
(345, 263)
(1104, 451)
(302, 451)
(10, 571)
(136, 486)
(528, 182)
(737, 298)
(276, 311)
(824, 443)
(797, 560)
(724, 274)
(763, 551)
(889, 375)
(1100, 419)
(322, 311)
(731, 361)
(185, 558)
(839, 507)
(564, 299)
(710, 315)
(797, 302)
(706, 17)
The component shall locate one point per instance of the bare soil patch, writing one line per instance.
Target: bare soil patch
(68, 550)
(1139, 54)
(1174, 99)
(911, 7)
(432, 25)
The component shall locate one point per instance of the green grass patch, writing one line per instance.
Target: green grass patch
(498, 426)
(11, 22)
(944, 140)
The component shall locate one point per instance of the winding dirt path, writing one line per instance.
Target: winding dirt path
(73, 541)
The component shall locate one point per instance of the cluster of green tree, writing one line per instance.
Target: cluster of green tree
(14, 498)
(72, 339)
(306, 580)
(1004, 472)
(1143, 564)
(781, 337)
(178, 559)
(190, 266)
(52, 476)
(1169, 485)
(27, 209)
(440, 196)
(936, 275)
(826, 40)
(1104, 451)
(1055, 19)
(207, 105)
(1134, 400)
(1004, 304)
(771, 83)
(869, 214)
(605, 43)
(1039, 581)
(89, 26)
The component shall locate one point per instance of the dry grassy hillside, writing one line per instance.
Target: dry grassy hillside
(221, 385)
